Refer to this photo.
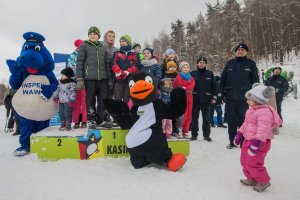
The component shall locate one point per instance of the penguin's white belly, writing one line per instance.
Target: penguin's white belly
(28, 102)
(91, 149)
(140, 132)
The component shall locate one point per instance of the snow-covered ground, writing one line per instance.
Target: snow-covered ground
(212, 171)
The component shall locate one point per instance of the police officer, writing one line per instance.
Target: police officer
(281, 86)
(203, 96)
(238, 76)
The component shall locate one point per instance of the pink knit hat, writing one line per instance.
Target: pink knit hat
(78, 42)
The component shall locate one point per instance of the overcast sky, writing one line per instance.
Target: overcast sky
(61, 22)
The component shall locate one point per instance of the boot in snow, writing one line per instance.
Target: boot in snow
(248, 182)
(260, 187)
(176, 162)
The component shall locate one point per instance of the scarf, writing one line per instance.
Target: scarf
(186, 76)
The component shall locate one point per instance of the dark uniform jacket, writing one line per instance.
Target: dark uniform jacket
(204, 89)
(280, 84)
(238, 77)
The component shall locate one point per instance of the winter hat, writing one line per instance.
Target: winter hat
(241, 45)
(136, 45)
(202, 59)
(94, 29)
(149, 49)
(171, 67)
(127, 39)
(68, 72)
(170, 51)
(78, 42)
(260, 93)
(277, 68)
(184, 63)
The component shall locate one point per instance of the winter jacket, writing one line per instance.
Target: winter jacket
(93, 62)
(218, 92)
(187, 85)
(280, 84)
(238, 77)
(72, 58)
(125, 60)
(204, 89)
(259, 122)
(151, 66)
(66, 91)
(163, 67)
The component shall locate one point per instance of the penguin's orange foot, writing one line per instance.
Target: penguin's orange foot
(176, 162)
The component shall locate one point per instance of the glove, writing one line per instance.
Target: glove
(238, 138)
(125, 74)
(79, 84)
(119, 76)
(71, 104)
(254, 147)
(56, 100)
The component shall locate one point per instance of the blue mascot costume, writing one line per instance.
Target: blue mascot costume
(33, 78)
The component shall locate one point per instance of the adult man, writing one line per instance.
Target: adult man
(203, 96)
(238, 76)
(281, 86)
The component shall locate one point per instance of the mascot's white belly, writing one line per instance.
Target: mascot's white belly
(29, 103)
(140, 132)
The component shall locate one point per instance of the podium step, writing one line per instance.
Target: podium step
(51, 144)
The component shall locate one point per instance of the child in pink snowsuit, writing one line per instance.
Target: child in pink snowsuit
(79, 105)
(187, 82)
(257, 133)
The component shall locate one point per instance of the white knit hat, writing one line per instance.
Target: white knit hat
(260, 93)
(184, 63)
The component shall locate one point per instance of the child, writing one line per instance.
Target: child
(165, 92)
(187, 82)
(65, 95)
(150, 64)
(79, 110)
(94, 73)
(256, 131)
(217, 105)
(169, 55)
(125, 62)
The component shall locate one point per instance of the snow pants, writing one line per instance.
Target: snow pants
(187, 119)
(253, 166)
(79, 107)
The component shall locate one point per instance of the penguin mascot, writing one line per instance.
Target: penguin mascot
(145, 140)
(33, 78)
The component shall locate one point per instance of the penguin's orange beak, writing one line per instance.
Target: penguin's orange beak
(141, 89)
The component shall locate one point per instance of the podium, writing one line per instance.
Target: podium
(52, 144)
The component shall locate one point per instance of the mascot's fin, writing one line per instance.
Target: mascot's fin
(177, 106)
(120, 112)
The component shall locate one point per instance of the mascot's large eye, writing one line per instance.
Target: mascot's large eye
(26, 47)
(37, 48)
(149, 79)
(131, 83)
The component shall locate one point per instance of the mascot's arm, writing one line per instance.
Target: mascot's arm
(48, 90)
(177, 106)
(120, 112)
(18, 74)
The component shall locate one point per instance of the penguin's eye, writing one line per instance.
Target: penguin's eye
(131, 83)
(149, 79)
(37, 48)
(26, 47)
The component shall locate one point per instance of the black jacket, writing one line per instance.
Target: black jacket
(205, 86)
(237, 78)
(280, 84)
